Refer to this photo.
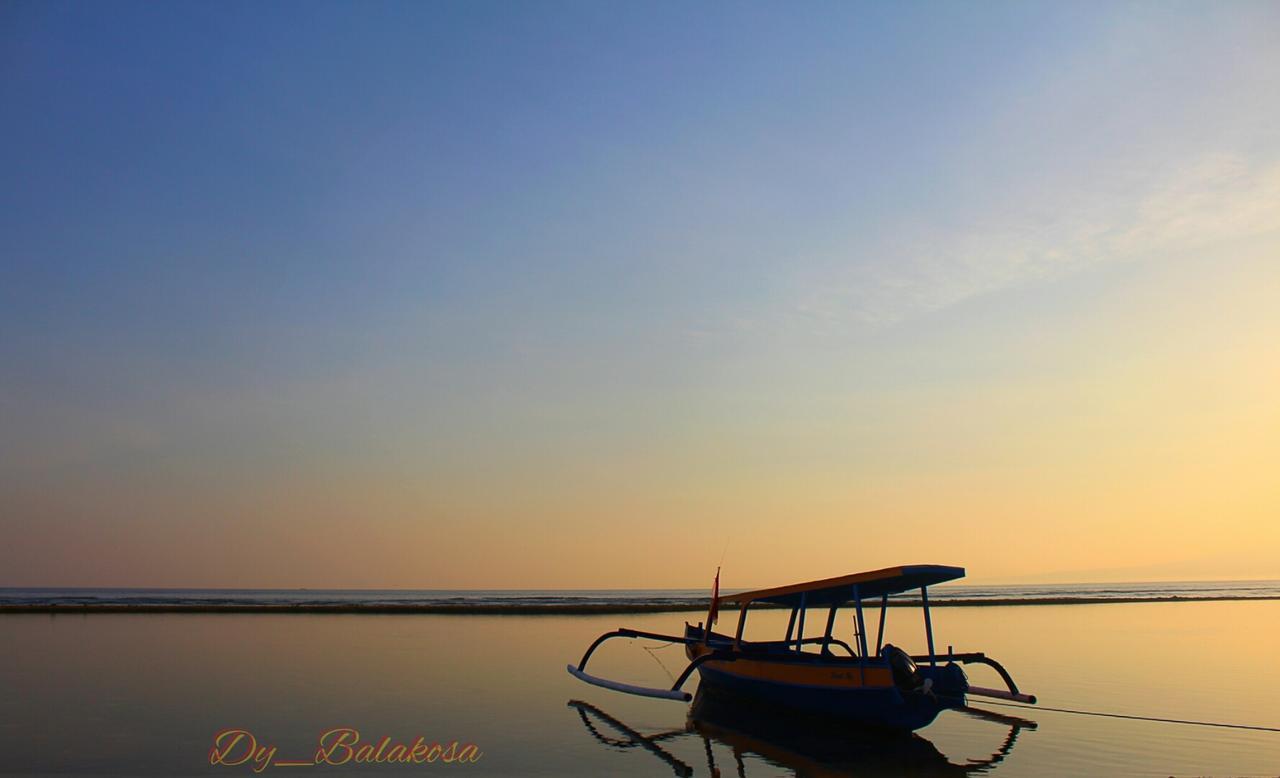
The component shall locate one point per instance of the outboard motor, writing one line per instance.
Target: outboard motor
(906, 676)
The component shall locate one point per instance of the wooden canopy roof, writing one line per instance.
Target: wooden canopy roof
(837, 591)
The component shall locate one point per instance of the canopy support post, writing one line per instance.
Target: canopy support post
(862, 624)
(831, 622)
(928, 625)
(884, 608)
(800, 627)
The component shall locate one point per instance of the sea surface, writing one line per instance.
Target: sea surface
(566, 600)
(90, 693)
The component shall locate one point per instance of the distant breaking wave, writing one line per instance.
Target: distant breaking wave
(55, 600)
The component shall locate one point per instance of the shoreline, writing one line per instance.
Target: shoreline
(553, 610)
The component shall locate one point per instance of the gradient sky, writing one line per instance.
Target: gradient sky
(593, 294)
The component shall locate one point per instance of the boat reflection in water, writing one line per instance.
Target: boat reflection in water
(808, 745)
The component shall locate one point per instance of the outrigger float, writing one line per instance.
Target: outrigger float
(823, 674)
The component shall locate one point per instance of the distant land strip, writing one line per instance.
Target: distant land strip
(576, 609)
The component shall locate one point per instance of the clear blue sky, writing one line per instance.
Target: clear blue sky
(549, 271)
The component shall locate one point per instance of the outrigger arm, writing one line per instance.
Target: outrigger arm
(674, 693)
(980, 658)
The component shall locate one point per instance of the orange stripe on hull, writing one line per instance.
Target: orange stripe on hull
(806, 675)
(851, 676)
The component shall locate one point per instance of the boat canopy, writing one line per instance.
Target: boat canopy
(783, 667)
(840, 590)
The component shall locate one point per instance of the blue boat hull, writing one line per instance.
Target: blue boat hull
(884, 707)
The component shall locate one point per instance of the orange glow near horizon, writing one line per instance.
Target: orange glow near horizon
(1130, 440)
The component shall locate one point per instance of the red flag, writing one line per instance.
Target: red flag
(715, 602)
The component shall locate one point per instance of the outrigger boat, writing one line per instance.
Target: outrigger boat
(823, 674)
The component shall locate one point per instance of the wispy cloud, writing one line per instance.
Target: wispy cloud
(1214, 199)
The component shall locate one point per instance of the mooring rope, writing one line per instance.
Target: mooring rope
(650, 651)
(1135, 718)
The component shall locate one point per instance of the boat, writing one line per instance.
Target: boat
(871, 683)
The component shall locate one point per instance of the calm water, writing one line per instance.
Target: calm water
(138, 693)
